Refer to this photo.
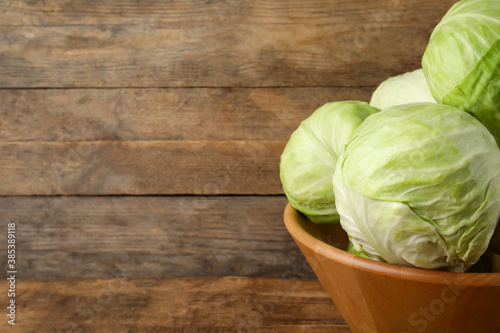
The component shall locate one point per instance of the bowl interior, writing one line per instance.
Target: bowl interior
(331, 234)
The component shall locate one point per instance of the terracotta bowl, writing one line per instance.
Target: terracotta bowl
(380, 297)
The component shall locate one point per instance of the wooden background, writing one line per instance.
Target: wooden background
(141, 139)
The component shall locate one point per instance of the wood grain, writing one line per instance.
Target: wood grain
(105, 237)
(151, 141)
(162, 114)
(212, 43)
(140, 167)
(228, 304)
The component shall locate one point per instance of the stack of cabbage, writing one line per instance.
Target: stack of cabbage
(413, 177)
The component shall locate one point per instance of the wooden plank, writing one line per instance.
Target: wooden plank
(140, 167)
(199, 12)
(105, 237)
(212, 44)
(227, 304)
(162, 114)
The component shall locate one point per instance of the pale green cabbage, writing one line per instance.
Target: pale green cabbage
(462, 60)
(419, 185)
(406, 88)
(351, 249)
(309, 158)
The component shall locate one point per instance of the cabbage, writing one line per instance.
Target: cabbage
(462, 60)
(495, 242)
(351, 249)
(419, 185)
(309, 158)
(406, 88)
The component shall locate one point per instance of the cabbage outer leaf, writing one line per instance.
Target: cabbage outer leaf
(406, 88)
(458, 42)
(309, 158)
(462, 61)
(479, 92)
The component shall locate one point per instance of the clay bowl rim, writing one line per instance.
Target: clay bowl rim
(292, 222)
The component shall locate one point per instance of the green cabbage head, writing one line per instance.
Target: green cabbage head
(462, 60)
(309, 158)
(406, 88)
(419, 185)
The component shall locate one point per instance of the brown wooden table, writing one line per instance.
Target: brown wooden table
(217, 304)
(140, 144)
